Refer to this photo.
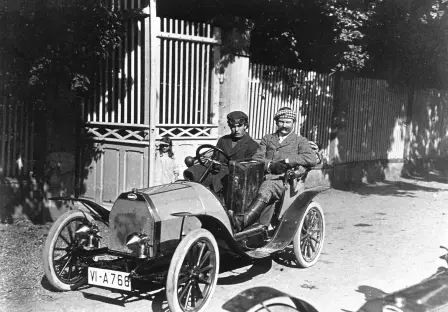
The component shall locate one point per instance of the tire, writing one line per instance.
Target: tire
(309, 239)
(59, 267)
(197, 247)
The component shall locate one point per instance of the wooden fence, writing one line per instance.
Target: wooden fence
(310, 94)
(372, 120)
(375, 116)
(16, 120)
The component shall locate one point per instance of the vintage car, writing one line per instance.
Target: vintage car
(173, 233)
(430, 295)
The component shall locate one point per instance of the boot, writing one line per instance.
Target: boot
(242, 221)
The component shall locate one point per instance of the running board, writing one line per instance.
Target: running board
(257, 229)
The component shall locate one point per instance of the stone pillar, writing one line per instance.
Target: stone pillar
(234, 75)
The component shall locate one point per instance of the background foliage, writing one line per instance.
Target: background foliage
(56, 47)
(403, 41)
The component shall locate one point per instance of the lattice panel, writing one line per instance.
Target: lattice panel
(186, 132)
(122, 134)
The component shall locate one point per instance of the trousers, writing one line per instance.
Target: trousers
(271, 190)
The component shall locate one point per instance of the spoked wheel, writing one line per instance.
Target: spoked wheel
(62, 250)
(309, 239)
(193, 272)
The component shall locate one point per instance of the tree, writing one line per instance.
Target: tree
(57, 47)
(319, 35)
(407, 42)
(50, 55)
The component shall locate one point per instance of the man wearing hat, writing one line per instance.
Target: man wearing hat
(237, 145)
(278, 151)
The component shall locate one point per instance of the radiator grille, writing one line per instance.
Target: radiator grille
(127, 217)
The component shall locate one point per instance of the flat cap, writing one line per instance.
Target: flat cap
(237, 117)
(285, 112)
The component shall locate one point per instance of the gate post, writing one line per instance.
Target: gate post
(154, 55)
(234, 75)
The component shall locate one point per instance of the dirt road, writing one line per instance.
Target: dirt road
(379, 238)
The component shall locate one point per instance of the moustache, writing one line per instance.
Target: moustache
(284, 128)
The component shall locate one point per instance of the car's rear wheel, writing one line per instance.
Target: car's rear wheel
(62, 252)
(309, 239)
(193, 272)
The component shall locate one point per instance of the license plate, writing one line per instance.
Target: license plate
(109, 278)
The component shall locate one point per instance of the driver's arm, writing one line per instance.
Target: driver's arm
(219, 145)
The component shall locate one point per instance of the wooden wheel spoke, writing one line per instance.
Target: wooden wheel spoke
(62, 258)
(312, 247)
(205, 269)
(315, 239)
(204, 281)
(65, 265)
(60, 249)
(206, 256)
(70, 269)
(303, 246)
(184, 291)
(183, 280)
(187, 298)
(193, 297)
(65, 239)
(201, 251)
(304, 237)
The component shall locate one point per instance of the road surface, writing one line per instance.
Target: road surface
(379, 238)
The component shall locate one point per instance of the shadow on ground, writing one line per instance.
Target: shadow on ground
(391, 188)
(230, 263)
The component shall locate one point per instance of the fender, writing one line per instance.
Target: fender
(98, 211)
(289, 223)
(217, 228)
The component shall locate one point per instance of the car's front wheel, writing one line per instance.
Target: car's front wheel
(309, 239)
(62, 252)
(193, 272)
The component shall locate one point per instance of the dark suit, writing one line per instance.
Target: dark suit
(244, 148)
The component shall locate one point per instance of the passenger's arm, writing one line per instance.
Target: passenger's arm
(306, 155)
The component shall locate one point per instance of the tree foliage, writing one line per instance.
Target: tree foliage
(407, 42)
(320, 35)
(52, 47)
(400, 40)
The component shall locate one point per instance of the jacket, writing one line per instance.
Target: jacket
(294, 147)
(245, 147)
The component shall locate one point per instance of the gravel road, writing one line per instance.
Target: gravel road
(379, 238)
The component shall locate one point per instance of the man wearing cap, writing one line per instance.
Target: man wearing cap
(237, 145)
(278, 151)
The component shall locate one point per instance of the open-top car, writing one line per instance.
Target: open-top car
(173, 233)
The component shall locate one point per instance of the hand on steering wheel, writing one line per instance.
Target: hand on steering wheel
(205, 158)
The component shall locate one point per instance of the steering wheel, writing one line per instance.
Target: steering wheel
(205, 157)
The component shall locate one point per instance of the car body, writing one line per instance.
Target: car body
(173, 233)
